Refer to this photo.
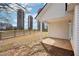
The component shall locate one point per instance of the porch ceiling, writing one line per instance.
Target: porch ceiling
(12, 7)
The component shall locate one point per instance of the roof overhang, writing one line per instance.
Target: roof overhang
(65, 18)
(41, 11)
(70, 8)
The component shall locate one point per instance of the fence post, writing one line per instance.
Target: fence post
(0, 36)
(24, 32)
(14, 33)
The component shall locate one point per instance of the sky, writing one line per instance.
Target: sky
(33, 10)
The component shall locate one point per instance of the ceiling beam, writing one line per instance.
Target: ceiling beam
(21, 6)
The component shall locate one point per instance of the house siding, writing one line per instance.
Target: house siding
(55, 10)
(59, 29)
(76, 31)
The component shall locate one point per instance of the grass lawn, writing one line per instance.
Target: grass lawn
(23, 45)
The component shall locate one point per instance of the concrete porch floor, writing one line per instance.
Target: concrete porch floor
(57, 47)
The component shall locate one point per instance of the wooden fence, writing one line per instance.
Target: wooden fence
(13, 33)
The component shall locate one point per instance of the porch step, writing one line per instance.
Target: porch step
(58, 47)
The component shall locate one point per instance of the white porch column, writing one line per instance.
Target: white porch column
(41, 27)
(41, 35)
(76, 31)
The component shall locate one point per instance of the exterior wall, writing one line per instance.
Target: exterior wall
(55, 10)
(75, 38)
(59, 29)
